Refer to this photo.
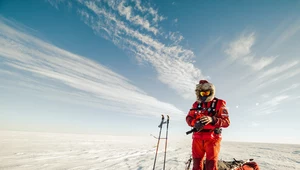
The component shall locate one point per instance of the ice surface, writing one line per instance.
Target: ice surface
(37, 151)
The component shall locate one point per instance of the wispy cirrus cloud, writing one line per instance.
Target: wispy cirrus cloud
(135, 19)
(258, 63)
(278, 69)
(125, 26)
(271, 105)
(293, 86)
(265, 75)
(277, 74)
(287, 30)
(240, 47)
(149, 10)
(240, 50)
(84, 81)
(271, 102)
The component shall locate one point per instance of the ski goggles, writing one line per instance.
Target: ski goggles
(204, 93)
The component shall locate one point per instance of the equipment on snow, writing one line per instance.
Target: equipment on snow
(248, 164)
(188, 163)
(159, 137)
(158, 140)
(166, 141)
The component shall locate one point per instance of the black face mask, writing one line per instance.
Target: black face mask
(203, 98)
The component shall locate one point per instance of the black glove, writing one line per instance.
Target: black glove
(198, 125)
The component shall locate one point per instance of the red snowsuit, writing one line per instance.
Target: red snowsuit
(207, 141)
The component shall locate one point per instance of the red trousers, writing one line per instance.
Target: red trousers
(209, 147)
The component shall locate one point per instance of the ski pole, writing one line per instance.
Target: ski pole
(160, 126)
(188, 163)
(166, 142)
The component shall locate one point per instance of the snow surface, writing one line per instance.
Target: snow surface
(37, 151)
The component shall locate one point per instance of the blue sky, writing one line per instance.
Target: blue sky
(114, 67)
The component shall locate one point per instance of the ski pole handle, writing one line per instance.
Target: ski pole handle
(162, 121)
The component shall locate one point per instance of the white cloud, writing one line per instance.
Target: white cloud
(150, 10)
(71, 74)
(241, 47)
(254, 124)
(240, 50)
(292, 87)
(6, 72)
(263, 74)
(289, 29)
(176, 37)
(279, 77)
(55, 3)
(258, 64)
(135, 19)
(276, 100)
(174, 64)
(270, 105)
(265, 96)
(278, 69)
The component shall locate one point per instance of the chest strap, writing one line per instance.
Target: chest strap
(211, 110)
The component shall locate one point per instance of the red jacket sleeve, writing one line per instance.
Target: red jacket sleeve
(191, 116)
(221, 119)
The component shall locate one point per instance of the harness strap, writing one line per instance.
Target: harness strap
(199, 107)
(212, 109)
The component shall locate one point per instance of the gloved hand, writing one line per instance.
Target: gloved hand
(198, 125)
(206, 120)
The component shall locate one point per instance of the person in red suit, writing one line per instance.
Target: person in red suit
(207, 116)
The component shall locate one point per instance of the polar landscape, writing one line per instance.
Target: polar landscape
(70, 68)
(57, 151)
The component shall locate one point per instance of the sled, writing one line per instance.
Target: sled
(248, 164)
